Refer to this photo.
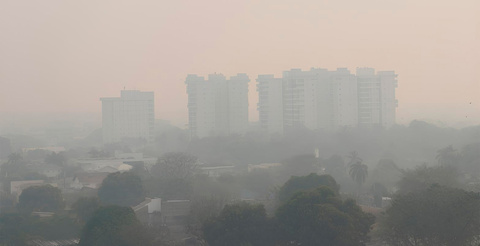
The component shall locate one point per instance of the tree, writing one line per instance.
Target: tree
(12, 229)
(238, 224)
(335, 166)
(171, 177)
(5, 147)
(56, 159)
(422, 177)
(447, 156)
(354, 158)
(320, 217)
(14, 158)
(176, 165)
(305, 183)
(470, 156)
(387, 173)
(359, 172)
(114, 226)
(84, 207)
(44, 198)
(438, 215)
(124, 189)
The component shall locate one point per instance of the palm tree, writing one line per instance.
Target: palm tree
(354, 158)
(359, 173)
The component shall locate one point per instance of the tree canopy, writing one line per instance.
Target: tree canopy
(84, 207)
(309, 182)
(423, 177)
(359, 172)
(438, 215)
(45, 198)
(124, 189)
(175, 165)
(171, 177)
(114, 226)
(238, 224)
(320, 217)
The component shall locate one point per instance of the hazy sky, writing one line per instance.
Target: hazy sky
(63, 55)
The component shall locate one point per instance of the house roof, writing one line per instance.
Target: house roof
(91, 178)
(40, 242)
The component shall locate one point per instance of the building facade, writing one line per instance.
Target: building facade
(270, 103)
(319, 99)
(217, 106)
(376, 98)
(314, 99)
(130, 116)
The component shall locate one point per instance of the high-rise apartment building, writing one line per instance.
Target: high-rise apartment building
(376, 98)
(270, 103)
(129, 116)
(314, 99)
(217, 106)
(320, 99)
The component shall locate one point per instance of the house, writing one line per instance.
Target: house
(171, 213)
(263, 166)
(49, 170)
(16, 187)
(41, 242)
(88, 180)
(217, 171)
(108, 169)
(148, 211)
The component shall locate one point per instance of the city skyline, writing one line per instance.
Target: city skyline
(96, 52)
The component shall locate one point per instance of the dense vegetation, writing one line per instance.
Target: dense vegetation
(424, 178)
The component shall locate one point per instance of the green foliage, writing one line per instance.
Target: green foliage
(12, 229)
(17, 229)
(14, 158)
(387, 173)
(359, 172)
(84, 207)
(124, 189)
(238, 224)
(422, 177)
(315, 215)
(354, 158)
(44, 198)
(303, 183)
(172, 175)
(320, 217)
(114, 226)
(335, 166)
(175, 165)
(57, 227)
(435, 216)
(470, 158)
(56, 159)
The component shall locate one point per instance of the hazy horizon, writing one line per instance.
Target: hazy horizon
(62, 56)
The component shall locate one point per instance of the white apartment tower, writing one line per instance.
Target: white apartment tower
(376, 98)
(319, 99)
(129, 116)
(217, 106)
(270, 103)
